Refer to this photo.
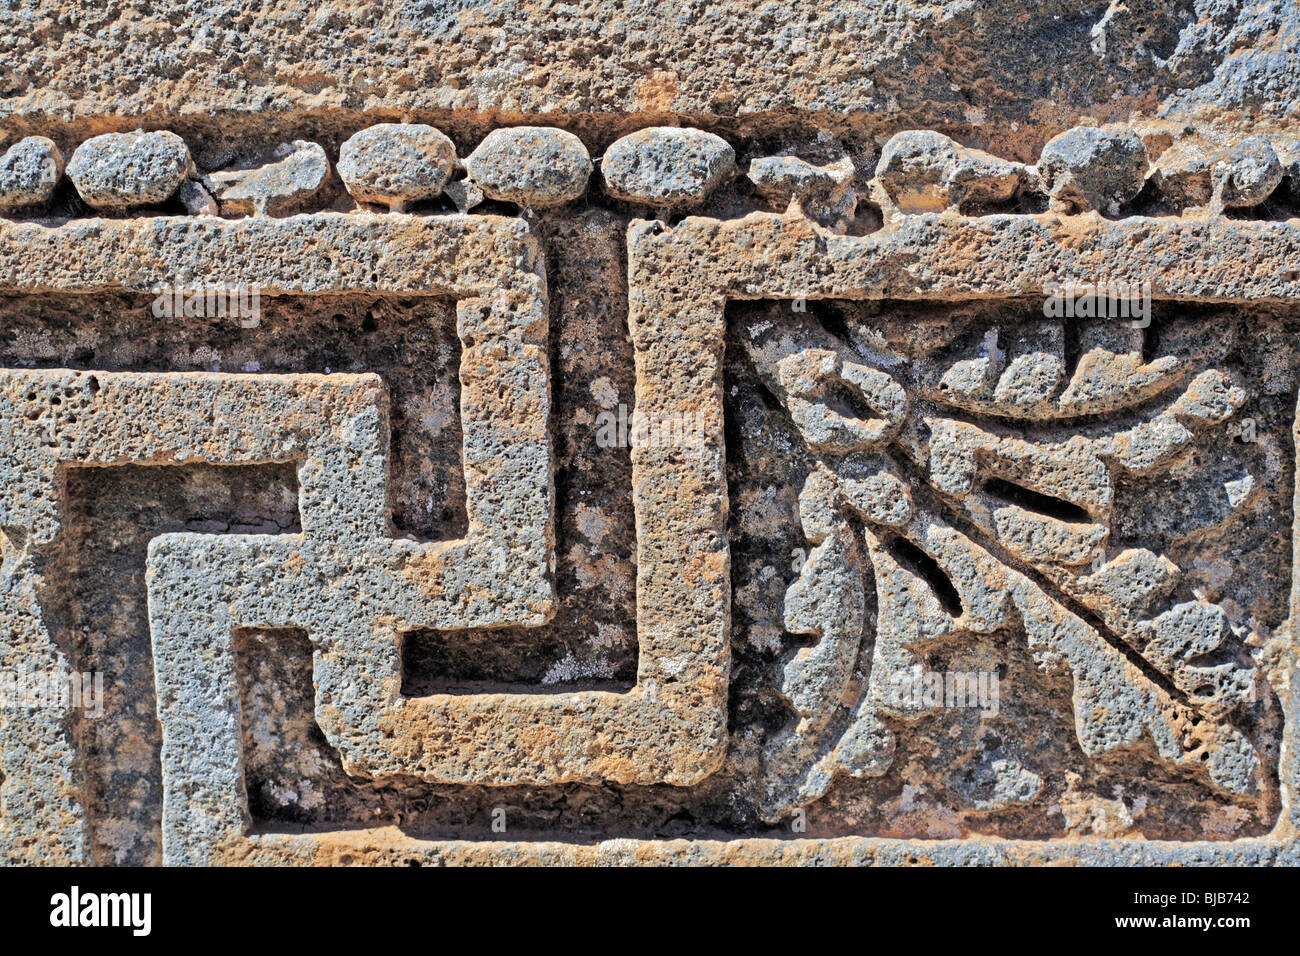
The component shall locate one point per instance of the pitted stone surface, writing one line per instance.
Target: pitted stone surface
(1018, 74)
(784, 177)
(336, 429)
(530, 165)
(196, 199)
(1288, 152)
(1088, 168)
(824, 191)
(1026, 517)
(667, 166)
(120, 170)
(396, 163)
(1183, 173)
(29, 171)
(924, 171)
(975, 582)
(276, 188)
(1248, 173)
(449, 510)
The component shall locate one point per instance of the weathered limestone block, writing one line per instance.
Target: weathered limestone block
(465, 194)
(116, 171)
(927, 496)
(824, 191)
(396, 163)
(276, 188)
(950, 504)
(1089, 168)
(1247, 173)
(666, 166)
(196, 199)
(924, 171)
(336, 428)
(29, 171)
(1288, 151)
(1183, 174)
(534, 166)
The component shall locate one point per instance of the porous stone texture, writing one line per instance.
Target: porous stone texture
(530, 165)
(923, 495)
(1183, 175)
(396, 163)
(1087, 168)
(666, 166)
(1288, 152)
(1247, 173)
(119, 170)
(823, 190)
(925, 171)
(464, 194)
(196, 199)
(277, 188)
(29, 171)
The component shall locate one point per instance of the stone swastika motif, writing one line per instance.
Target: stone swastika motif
(625, 494)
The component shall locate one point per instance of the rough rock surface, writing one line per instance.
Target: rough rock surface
(29, 171)
(667, 166)
(925, 171)
(119, 170)
(530, 165)
(1248, 173)
(824, 190)
(907, 500)
(396, 163)
(276, 188)
(196, 199)
(1183, 174)
(1087, 168)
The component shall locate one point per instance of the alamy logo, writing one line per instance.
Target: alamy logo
(1099, 300)
(76, 909)
(24, 689)
(976, 690)
(618, 429)
(242, 302)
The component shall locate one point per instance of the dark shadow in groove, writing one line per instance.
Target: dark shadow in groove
(1037, 502)
(921, 564)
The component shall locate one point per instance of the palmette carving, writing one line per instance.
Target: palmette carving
(965, 529)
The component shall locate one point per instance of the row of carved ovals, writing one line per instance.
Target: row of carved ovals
(395, 164)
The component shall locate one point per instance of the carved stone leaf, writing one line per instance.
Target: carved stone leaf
(1042, 511)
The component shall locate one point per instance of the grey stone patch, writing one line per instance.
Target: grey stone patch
(465, 194)
(119, 170)
(1182, 174)
(995, 782)
(1247, 173)
(1288, 153)
(823, 191)
(29, 171)
(1017, 69)
(666, 166)
(789, 177)
(1088, 168)
(276, 188)
(396, 163)
(925, 171)
(196, 199)
(531, 165)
